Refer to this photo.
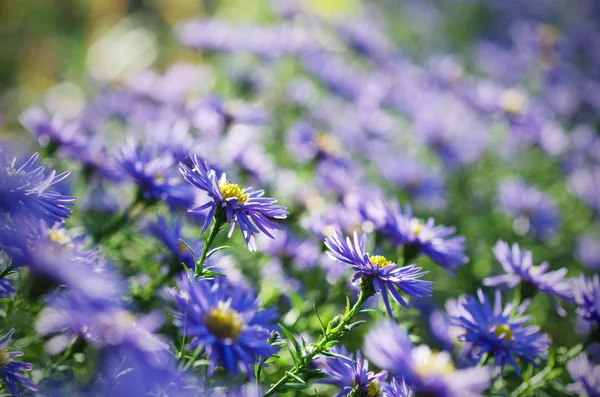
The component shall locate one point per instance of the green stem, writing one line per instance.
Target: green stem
(356, 392)
(218, 221)
(323, 342)
(134, 210)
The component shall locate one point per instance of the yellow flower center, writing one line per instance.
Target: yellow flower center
(379, 261)
(374, 390)
(512, 101)
(328, 144)
(428, 362)
(416, 226)
(229, 190)
(224, 322)
(502, 329)
(4, 358)
(59, 237)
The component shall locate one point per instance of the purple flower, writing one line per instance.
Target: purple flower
(224, 321)
(428, 372)
(586, 292)
(26, 190)
(385, 276)
(170, 234)
(501, 331)
(397, 388)
(52, 130)
(586, 376)
(531, 208)
(247, 207)
(402, 228)
(519, 269)
(10, 369)
(585, 183)
(100, 323)
(349, 373)
(155, 175)
(588, 251)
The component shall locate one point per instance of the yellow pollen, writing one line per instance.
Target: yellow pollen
(380, 261)
(416, 226)
(4, 358)
(58, 236)
(229, 190)
(374, 390)
(428, 362)
(512, 101)
(328, 144)
(224, 322)
(503, 330)
(159, 178)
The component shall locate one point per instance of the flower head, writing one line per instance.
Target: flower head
(428, 372)
(10, 369)
(397, 388)
(402, 228)
(26, 190)
(52, 129)
(245, 207)
(384, 275)
(586, 292)
(586, 376)
(520, 270)
(531, 208)
(349, 373)
(170, 234)
(155, 174)
(224, 321)
(500, 331)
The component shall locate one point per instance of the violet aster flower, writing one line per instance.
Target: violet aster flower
(224, 321)
(437, 242)
(531, 208)
(155, 174)
(501, 331)
(586, 292)
(10, 369)
(519, 269)
(170, 234)
(428, 372)
(25, 189)
(246, 207)
(53, 131)
(100, 323)
(350, 373)
(588, 251)
(397, 388)
(586, 376)
(385, 276)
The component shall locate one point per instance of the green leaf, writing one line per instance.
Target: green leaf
(291, 338)
(217, 249)
(189, 248)
(299, 379)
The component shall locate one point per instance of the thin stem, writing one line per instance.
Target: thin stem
(134, 210)
(218, 221)
(6, 271)
(323, 342)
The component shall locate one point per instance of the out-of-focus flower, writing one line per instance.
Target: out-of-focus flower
(155, 174)
(350, 373)
(224, 321)
(500, 331)
(170, 234)
(430, 373)
(588, 251)
(397, 388)
(586, 292)
(6, 288)
(402, 228)
(101, 323)
(586, 376)
(26, 190)
(246, 207)
(585, 183)
(519, 269)
(52, 130)
(531, 208)
(384, 275)
(11, 369)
